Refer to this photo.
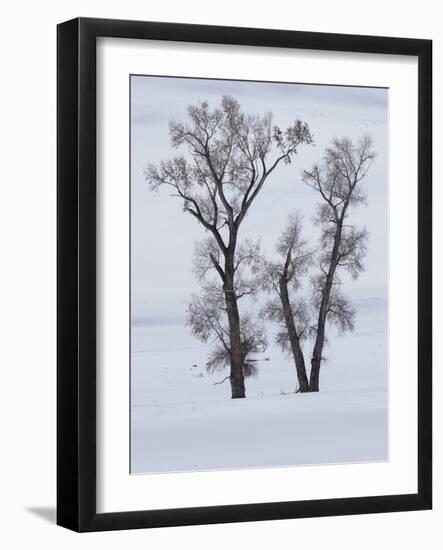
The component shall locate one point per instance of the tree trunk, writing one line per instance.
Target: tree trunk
(237, 376)
(314, 380)
(297, 352)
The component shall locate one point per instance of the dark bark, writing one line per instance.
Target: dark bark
(294, 340)
(237, 376)
(314, 381)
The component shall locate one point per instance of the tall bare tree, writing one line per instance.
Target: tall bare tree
(284, 278)
(343, 246)
(230, 156)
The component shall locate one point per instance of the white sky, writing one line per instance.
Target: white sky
(163, 236)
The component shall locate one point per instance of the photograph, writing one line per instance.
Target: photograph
(259, 274)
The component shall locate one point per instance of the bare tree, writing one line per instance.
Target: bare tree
(337, 181)
(284, 277)
(230, 157)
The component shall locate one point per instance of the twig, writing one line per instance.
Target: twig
(221, 381)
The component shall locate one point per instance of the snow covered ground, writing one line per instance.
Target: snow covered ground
(181, 421)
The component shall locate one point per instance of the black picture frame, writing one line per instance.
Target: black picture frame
(76, 278)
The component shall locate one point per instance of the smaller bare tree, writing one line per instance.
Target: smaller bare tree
(283, 277)
(342, 245)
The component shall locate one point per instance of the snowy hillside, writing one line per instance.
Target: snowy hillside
(181, 420)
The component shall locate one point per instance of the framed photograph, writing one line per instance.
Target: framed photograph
(244, 274)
